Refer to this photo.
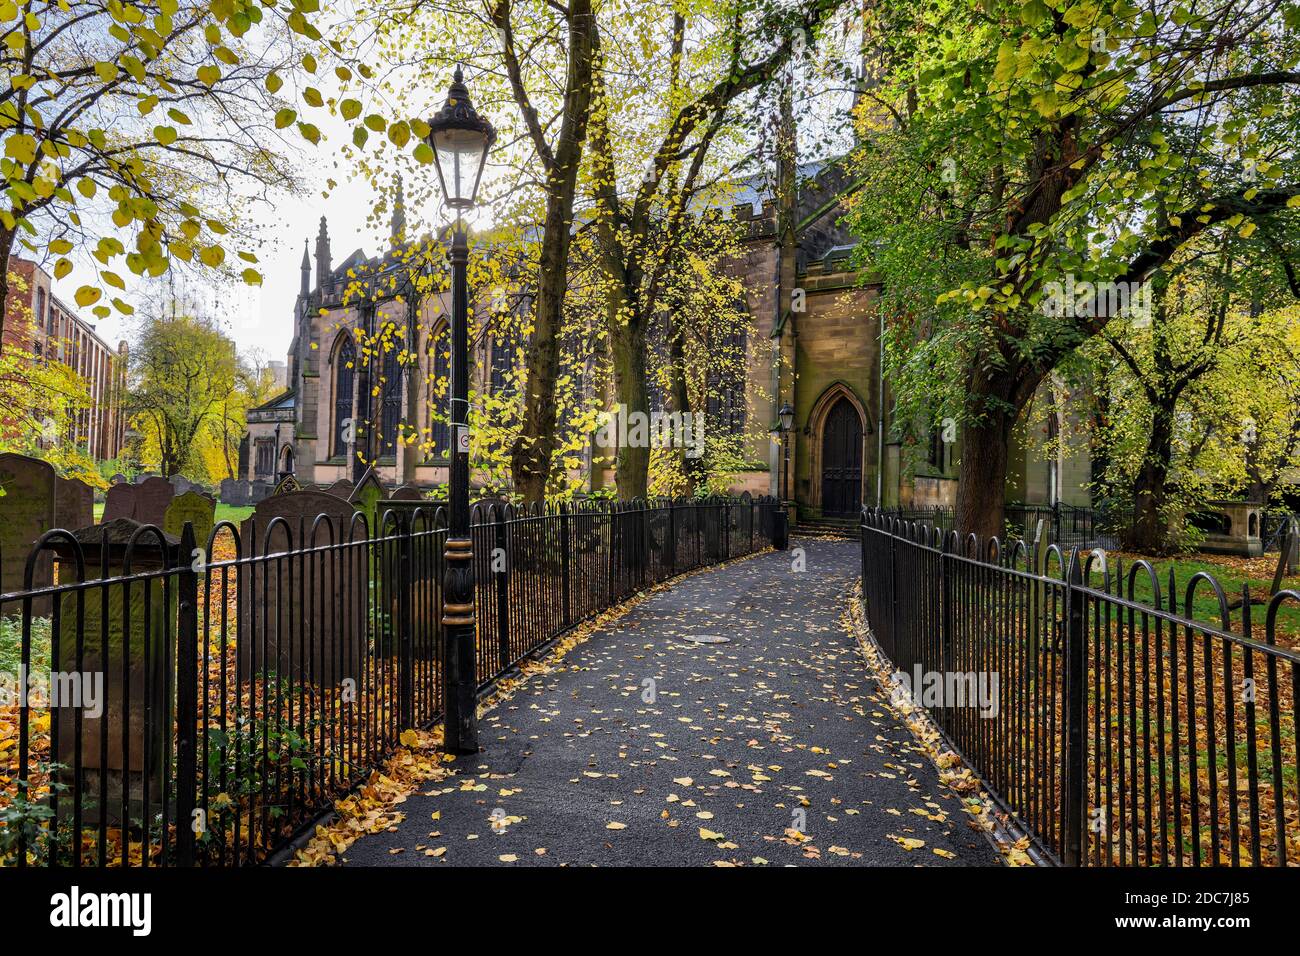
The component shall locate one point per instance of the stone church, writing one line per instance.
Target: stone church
(813, 342)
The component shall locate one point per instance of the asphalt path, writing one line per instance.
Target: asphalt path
(767, 744)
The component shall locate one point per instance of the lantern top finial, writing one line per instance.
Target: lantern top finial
(460, 139)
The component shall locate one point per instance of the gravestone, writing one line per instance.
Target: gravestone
(195, 508)
(119, 502)
(287, 485)
(233, 491)
(1038, 547)
(367, 495)
(74, 504)
(1291, 545)
(306, 617)
(152, 497)
(134, 633)
(118, 478)
(407, 493)
(27, 511)
(259, 490)
(343, 488)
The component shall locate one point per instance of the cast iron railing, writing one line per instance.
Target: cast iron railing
(1127, 728)
(176, 705)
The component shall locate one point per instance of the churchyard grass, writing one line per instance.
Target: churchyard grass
(225, 512)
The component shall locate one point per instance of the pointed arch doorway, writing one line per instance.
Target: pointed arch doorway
(841, 460)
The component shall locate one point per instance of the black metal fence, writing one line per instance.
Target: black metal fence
(1076, 526)
(1122, 728)
(167, 704)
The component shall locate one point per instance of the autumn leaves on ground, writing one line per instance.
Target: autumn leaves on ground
(651, 743)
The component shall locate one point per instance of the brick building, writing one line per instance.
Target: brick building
(39, 323)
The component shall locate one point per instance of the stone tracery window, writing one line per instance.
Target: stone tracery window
(344, 386)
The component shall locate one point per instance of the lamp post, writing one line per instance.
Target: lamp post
(460, 140)
(781, 529)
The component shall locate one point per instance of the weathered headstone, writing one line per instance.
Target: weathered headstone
(1291, 545)
(74, 504)
(195, 508)
(27, 511)
(343, 488)
(367, 495)
(118, 478)
(306, 615)
(131, 636)
(287, 485)
(119, 502)
(1041, 542)
(407, 493)
(152, 498)
(230, 491)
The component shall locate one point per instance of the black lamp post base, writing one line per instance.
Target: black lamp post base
(781, 529)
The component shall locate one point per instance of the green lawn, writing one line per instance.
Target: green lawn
(233, 513)
(225, 512)
(1231, 573)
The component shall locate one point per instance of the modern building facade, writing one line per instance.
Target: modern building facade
(41, 325)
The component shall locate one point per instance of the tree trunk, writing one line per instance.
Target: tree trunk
(1150, 531)
(982, 476)
(628, 352)
(530, 456)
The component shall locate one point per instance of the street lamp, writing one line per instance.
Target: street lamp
(781, 532)
(460, 140)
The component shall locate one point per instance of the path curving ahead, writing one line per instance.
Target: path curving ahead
(616, 758)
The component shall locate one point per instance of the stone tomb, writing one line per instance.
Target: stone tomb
(307, 614)
(27, 510)
(128, 645)
(199, 510)
(1231, 527)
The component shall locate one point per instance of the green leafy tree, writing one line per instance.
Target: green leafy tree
(134, 133)
(1013, 149)
(183, 369)
(654, 131)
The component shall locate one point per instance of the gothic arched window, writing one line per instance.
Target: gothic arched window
(439, 393)
(344, 384)
(504, 343)
(390, 397)
(726, 383)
